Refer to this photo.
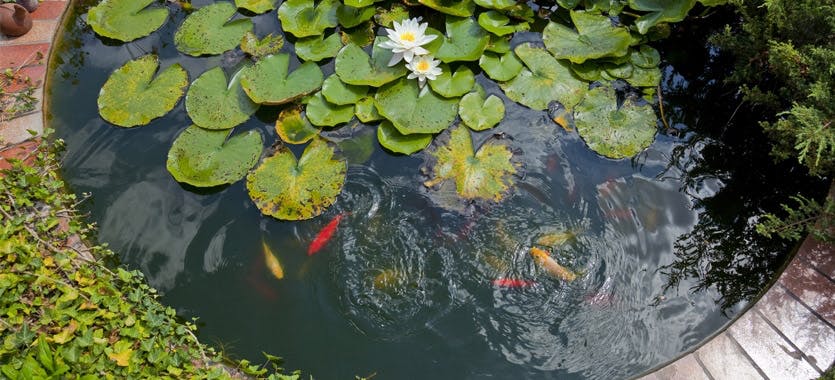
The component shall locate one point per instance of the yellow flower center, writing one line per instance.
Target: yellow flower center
(408, 36)
(422, 66)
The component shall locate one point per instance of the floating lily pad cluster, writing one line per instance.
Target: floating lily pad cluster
(379, 75)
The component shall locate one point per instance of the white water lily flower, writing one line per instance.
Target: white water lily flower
(406, 40)
(424, 67)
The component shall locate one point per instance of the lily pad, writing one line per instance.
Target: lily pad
(132, 96)
(350, 17)
(303, 18)
(611, 131)
(293, 127)
(211, 103)
(362, 35)
(479, 113)
(205, 158)
(453, 85)
(465, 40)
(496, 4)
(461, 8)
(340, 93)
(126, 20)
(354, 66)
(317, 48)
(360, 3)
(209, 31)
(645, 57)
(391, 139)
(660, 11)
(486, 174)
(270, 44)
(544, 80)
(366, 110)
(387, 17)
(322, 113)
(499, 24)
(498, 44)
(501, 67)
(296, 190)
(642, 77)
(595, 38)
(256, 6)
(412, 110)
(267, 82)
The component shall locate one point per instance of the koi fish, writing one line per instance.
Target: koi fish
(272, 261)
(512, 283)
(388, 279)
(324, 235)
(554, 239)
(550, 265)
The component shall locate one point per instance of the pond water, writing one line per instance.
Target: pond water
(443, 316)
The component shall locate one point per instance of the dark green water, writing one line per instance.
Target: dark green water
(643, 296)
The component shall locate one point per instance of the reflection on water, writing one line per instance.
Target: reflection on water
(407, 284)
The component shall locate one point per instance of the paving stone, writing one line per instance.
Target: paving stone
(686, 368)
(49, 10)
(769, 351)
(16, 130)
(14, 56)
(20, 151)
(813, 288)
(819, 255)
(36, 74)
(723, 359)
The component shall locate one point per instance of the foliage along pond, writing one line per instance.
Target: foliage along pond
(497, 204)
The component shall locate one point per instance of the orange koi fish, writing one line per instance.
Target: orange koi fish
(271, 260)
(551, 266)
(324, 235)
(512, 283)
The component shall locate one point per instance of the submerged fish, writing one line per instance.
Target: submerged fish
(555, 239)
(388, 279)
(271, 260)
(512, 283)
(551, 266)
(324, 235)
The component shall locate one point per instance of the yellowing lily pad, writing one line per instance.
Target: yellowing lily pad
(479, 113)
(465, 40)
(209, 31)
(340, 93)
(611, 131)
(453, 85)
(303, 18)
(322, 113)
(359, 3)
(204, 158)
(126, 20)
(267, 82)
(256, 6)
(258, 49)
(296, 190)
(501, 67)
(361, 35)
(387, 17)
(391, 139)
(354, 66)
(660, 11)
(412, 110)
(595, 37)
(132, 96)
(543, 81)
(293, 127)
(486, 174)
(211, 103)
(461, 8)
(317, 48)
(366, 110)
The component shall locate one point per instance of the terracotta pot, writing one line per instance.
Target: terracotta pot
(15, 20)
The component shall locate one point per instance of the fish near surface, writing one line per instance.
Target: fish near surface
(324, 236)
(271, 260)
(544, 259)
(555, 239)
(512, 283)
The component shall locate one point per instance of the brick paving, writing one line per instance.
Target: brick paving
(788, 334)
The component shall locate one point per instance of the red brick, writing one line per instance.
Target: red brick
(813, 288)
(35, 73)
(16, 55)
(49, 10)
(819, 255)
(19, 151)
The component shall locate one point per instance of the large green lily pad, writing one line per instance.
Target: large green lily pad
(126, 20)
(479, 113)
(453, 85)
(256, 6)
(322, 113)
(501, 67)
(611, 131)
(499, 24)
(461, 8)
(317, 48)
(209, 31)
(660, 11)
(258, 49)
(132, 96)
(391, 139)
(204, 158)
(340, 93)
(412, 110)
(267, 82)
(545, 79)
(303, 18)
(211, 103)
(354, 66)
(496, 4)
(465, 40)
(366, 110)
(296, 190)
(293, 127)
(350, 17)
(486, 174)
(595, 38)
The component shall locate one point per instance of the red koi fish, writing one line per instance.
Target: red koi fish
(324, 235)
(512, 283)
